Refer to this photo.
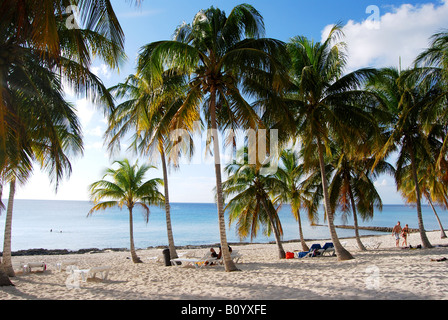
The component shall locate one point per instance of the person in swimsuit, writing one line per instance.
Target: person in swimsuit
(396, 233)
(404, 234)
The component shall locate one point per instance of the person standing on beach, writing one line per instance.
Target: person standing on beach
(396, 233)
(404, 234)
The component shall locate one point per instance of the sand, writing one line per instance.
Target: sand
(383, 273)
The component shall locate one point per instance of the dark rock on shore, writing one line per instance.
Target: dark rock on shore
(42, 252)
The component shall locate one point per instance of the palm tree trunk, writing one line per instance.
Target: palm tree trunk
(424, 238)
(281, 251)
(169, 230)
(6, 261)
(355, 220)
(341, 252)
(442, 232)
(134, 256)
(4, 279)
(228, 262)
(302, 241)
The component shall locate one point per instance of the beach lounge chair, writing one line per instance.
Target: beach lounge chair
(198, 263)
(85, 274)
(314, 250)
(27, 266)
(65, 265)
(234, 255)
(327, 248)
(373, 244)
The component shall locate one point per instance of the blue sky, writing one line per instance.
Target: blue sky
(376, 37)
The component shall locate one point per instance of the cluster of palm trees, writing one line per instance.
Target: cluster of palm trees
(221, 70)
(40, 55)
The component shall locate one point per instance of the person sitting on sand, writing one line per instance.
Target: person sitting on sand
(396, 233)
(404, 234)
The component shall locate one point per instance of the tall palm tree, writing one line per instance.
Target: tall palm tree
(352, 186)
(413, 106)
(127, 188)
(431, 188)
(225, 58)
(291, 172)
(36, 124)
(327, 104)
(37, 48)
(434, 64)
(250, 202)
(50, 134)
(148, 111)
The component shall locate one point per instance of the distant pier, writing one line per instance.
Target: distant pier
(379, 229)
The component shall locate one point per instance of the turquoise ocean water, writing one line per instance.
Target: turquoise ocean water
(193, 224)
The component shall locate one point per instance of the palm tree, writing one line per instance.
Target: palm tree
(225, 58)
(251, 203)
(35, 35)
(148, 111)
(413, 107)
(327, 104)
(352, 187)
(36, 23)
(434, 65)
(431, 188)
(129, 189)
(49, 134)
(291, 172)
(36, 49)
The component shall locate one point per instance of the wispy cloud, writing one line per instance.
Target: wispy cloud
(102, 71)
(402, 32)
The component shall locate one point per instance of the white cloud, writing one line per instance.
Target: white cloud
(102, 71)
(402, 32)
(85, 111)
(382, 183)
(98, 131)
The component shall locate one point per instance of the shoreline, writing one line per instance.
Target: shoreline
(53, 252)
(380, 273)
(50, 252)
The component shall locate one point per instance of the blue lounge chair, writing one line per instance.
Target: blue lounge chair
(314, 250)
(327, 248)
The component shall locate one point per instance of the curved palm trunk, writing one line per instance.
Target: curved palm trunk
(169, 230)
(7, 263)
(228, 262)
(355, 221)
(302, 240)
(281, 251)
(424, 238)
(442, 232)
(134, 256)
(341, 252)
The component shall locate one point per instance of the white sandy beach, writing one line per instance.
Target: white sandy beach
(383, 273)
